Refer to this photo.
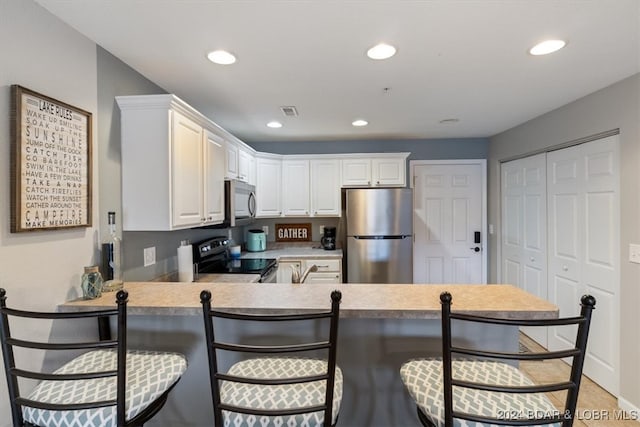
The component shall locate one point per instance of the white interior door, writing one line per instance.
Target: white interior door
(524, 228)
(449, 208)
(584, 228)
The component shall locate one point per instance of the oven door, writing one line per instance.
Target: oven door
(270, 276)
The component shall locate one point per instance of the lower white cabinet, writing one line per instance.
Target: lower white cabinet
(329, 270)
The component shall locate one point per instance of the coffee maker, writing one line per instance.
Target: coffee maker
(328, 239)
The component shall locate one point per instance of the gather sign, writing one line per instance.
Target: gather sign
(293, 232)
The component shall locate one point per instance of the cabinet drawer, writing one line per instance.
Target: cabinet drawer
(333, 277)
(324, 264)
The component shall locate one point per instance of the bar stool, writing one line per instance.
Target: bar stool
(278, 389)
(480, 388)
(103, 387)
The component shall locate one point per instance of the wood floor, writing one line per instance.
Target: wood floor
(596, 407)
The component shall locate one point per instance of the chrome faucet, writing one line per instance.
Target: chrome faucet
(295, 273)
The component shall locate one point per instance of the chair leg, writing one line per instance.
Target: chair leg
(423, 418)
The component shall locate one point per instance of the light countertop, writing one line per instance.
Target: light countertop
(394, 301)
(294, 250)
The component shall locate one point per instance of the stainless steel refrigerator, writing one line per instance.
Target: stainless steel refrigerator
(379, 235)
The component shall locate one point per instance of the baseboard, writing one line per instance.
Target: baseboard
(628, 406)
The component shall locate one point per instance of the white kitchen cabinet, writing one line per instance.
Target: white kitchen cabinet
(214, 163)
(387, 170)
(295, 188)
(231, 160)
(166, 158)
(187, 171)
(244, 165)
(329, 270)
(284, 272)
(325, 187)
(356, 172)
(268, 187)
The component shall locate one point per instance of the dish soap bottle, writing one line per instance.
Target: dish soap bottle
(112, 258)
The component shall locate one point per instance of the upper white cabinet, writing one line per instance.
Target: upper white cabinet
(245, 165)
(325, 187)
(214, 163)
(295, 188)
(172, 165)
(268, 186)
(231, 160)
(385, 170)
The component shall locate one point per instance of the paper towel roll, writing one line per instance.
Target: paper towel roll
(185, 262)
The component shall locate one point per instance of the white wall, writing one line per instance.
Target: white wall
(614, 107)
(41, 269)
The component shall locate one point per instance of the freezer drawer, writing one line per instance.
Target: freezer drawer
(380, 260)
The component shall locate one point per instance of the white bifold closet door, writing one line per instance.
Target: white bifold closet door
(583, 249)
(524, 229)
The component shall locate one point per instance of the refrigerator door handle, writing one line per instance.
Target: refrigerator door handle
(399, 237)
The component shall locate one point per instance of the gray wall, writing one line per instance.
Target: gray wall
(615, 107)
(41, 269)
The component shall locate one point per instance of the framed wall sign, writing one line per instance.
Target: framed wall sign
(50, 163)
(293, 232)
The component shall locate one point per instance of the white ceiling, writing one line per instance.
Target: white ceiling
(464, 59)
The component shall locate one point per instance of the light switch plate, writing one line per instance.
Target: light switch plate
(634, 253)
(322, 230)
(149, 256)
(265, 228)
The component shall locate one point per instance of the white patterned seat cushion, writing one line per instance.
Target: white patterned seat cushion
(279, 396)
(149, 375)
(423, 379)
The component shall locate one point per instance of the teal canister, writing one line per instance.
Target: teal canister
(256, 241)
(91, 282)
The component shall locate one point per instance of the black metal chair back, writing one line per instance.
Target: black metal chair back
(571, 385)
(13, 373)
(216, 376)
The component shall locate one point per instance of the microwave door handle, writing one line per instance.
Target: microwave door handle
(252, 204)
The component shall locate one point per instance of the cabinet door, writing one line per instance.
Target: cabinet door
(284, 272)
(325, 187)
(295, 187)
(388, 172)
(356, 172)
(244, 165)
(269, 188)
(186, 174)
(323, 278)
(214, 163)
(231, 161)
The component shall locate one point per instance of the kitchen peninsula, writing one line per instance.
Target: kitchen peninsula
(381, 327)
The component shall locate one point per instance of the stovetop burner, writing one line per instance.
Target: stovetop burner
(212, 256)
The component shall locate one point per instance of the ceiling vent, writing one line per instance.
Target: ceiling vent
(289, 111)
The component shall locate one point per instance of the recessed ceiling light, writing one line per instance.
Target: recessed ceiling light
(274, 125)
(381, 51)
(547, 46)
(359, 122)
(221, 57)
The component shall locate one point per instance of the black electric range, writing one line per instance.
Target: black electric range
(212, 256)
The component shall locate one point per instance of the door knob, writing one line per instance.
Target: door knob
(475, 249)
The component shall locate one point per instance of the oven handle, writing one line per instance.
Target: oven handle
(270, 276)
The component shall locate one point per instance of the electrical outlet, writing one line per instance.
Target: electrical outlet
(149, 256)
(265, 228)
(634, 253)
(322, 230)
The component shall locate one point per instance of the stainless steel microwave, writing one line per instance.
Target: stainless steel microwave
(239, 203)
